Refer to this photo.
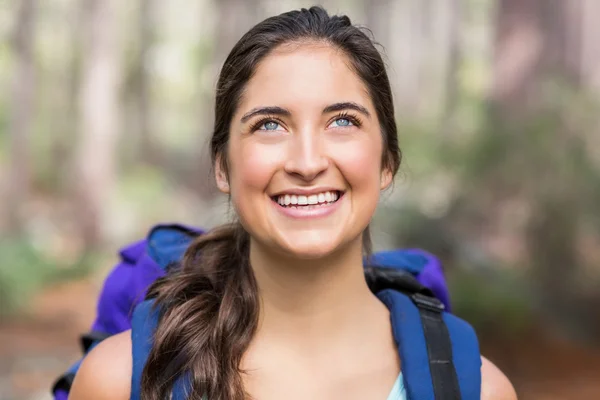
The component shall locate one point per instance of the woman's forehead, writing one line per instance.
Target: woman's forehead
(311, 75)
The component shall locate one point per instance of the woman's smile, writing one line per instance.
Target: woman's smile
(314, 204)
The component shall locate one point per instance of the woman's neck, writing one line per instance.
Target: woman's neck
(311, 297)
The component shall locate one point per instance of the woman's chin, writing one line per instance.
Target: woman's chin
(311, 248)
(310, 254)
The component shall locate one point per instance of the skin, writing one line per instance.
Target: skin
(322, 334)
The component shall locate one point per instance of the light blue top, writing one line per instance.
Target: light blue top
(398, 391)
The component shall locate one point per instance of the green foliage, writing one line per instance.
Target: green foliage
(419, 145)
(494, 300)
(25, 269)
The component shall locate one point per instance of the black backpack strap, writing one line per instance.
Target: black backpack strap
(381, 278)
(63, 383)
(87, 340)
(437, 337)
(439, 347)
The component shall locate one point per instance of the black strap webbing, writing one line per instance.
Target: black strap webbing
(437, 338)
(439, 348)
(64, 383)
(88, 339)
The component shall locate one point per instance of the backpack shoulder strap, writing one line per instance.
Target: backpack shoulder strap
(143, 325)
(167, 243)
(466, 356)
(439, 352)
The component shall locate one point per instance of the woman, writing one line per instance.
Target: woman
(276, 306)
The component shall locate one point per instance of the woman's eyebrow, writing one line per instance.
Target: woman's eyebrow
(279, 111)
(265, 111)
(346, 106)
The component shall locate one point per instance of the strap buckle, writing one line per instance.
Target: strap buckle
(428, 302)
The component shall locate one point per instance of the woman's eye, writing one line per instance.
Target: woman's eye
(341, 122)
(270, 126)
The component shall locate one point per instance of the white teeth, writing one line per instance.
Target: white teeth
(313, 199)
(302, 200)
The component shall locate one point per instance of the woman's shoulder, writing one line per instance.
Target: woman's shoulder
(494, 384)
(105, 372)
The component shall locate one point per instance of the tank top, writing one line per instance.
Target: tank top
(398, 391)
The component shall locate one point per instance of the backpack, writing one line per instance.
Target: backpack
(441, 362)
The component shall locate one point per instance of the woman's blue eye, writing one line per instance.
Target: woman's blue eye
(341, 122)
(270, 126)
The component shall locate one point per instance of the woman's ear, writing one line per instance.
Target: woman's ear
(221, 176)
(386, 178)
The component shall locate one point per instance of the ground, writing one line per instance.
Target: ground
(37, 347)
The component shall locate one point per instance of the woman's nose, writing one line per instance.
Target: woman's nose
(306, 158)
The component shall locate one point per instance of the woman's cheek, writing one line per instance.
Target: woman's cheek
(360, 163)
(256, 165)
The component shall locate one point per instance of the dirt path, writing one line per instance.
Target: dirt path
(38, 347)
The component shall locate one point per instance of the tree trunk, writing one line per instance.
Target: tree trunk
(143, 99)
(540, 45)
(21, 117)
(518, 50)
(536, 41)
(590, 53)
(377, 19)
(99, 121)
(451, 67)
(61, 147)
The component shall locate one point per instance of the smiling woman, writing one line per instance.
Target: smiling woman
(315, 134)
(276, 305)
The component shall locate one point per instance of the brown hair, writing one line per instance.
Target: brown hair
(209, 306)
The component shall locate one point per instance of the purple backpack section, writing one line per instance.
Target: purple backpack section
(144, 261)
(141, 264)
(124, 288)
(423, 265)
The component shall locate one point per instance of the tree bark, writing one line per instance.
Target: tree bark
(61, 147)
(536, 41)
(377, 17)
(143, 97)
(99, 121)
(590, 52)
(452, 63)
(21, 117)
(543, 44)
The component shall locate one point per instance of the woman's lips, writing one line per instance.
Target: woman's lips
(308, 211)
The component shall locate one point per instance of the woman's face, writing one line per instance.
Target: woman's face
(304, 153)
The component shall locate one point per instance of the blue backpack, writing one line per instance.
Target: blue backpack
(439, 352)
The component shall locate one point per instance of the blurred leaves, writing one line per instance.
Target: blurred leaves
(26, 267)
(493, 300)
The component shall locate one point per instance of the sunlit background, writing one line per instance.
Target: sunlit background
(105, 113)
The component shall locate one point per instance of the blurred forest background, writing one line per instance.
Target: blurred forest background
(105, 113)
